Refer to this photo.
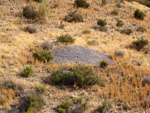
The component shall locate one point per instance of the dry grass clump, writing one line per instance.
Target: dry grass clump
(124, 84)
(6, 97)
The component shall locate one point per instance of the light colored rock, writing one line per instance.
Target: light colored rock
(146, 79)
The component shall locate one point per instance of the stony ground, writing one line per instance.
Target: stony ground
(16, 46)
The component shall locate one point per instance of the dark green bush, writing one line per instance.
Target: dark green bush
(80, 75)
(29, 12)
(101, 22)
(44, 55)
(82, 3)
(119, 23)
(104, 64)
(33, 104)
(74, 17)
(38, 1)
(139, 14)
(140, 43)
(27, 72)
(66, 39)
(126, 31)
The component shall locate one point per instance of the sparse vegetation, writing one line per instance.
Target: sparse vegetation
(141, 29)
(40, 89)
(27, 72)
(105, 107)
(115, 12)
(30, 12)
(43, 55)
(73, 105)
(104, 64)
(80, 75)
(74, 17)
(140, 43)
(66, 39)
(33, 104)
(126, 31)
(38, 1)
(139, 14)
(101, 22)
(119, 23)
(82, 3)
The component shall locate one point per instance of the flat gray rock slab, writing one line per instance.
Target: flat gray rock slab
(78, 54)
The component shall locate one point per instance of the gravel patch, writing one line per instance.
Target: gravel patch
(78, 54)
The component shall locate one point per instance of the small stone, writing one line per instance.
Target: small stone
(31, 29)
(119, 53)
(147, 100)
(146, 79)
(47, 45)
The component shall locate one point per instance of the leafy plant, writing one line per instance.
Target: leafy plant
(44, 55)
(82, 3)
(33, 104)
(74, 17)
(80, 75)
(101, 22)
(104, 64)
(27, 72)
(140, 43)
(66, 39)
(139, 14)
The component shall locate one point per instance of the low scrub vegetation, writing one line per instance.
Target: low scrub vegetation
(104, 64)
(82, 76)
(101, 22)
(33, 104)
(115, 12)
(139, 14)
(140, 44)
(40, 89)
(126, 31)
(74, 17)
(27, 72)
(82, 3)
(43, 55)
(66, 39)
(119, 23)
(75, 105)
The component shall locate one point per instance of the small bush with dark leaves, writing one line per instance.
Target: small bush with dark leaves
(27, 72)
(44, 55)
(29, 12)
(101, 22)
(82, 3)
(80, 75)
(139, 14)
(119, 23)
(140, 43)
(126, 31)
(66, 39)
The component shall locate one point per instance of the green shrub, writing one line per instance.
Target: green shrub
(101, 22)
(40, 89)
(66, 39)
(115, 12)
(69, 105)
(80, 75)
(44, 55)
(140, 43)
(139, 14)
(104, 64)
(38, 1)
(82, 3)
(105, 107)
(74, 17)
(104, 2)
(33, 104)
(119, 23)
(27, 72)
(126, 31)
